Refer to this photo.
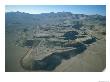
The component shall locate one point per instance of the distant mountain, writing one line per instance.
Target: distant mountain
(21, 18)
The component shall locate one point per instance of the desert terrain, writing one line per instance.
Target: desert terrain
(55, 42)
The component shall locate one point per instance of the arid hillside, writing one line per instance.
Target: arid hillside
(60, 41)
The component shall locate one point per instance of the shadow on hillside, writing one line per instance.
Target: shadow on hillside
(50, 62)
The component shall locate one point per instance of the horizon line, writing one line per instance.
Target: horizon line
(52, 12)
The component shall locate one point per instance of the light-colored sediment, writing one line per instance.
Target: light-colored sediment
(91, 60)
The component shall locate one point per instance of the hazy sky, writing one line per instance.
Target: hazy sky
(75, 9)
